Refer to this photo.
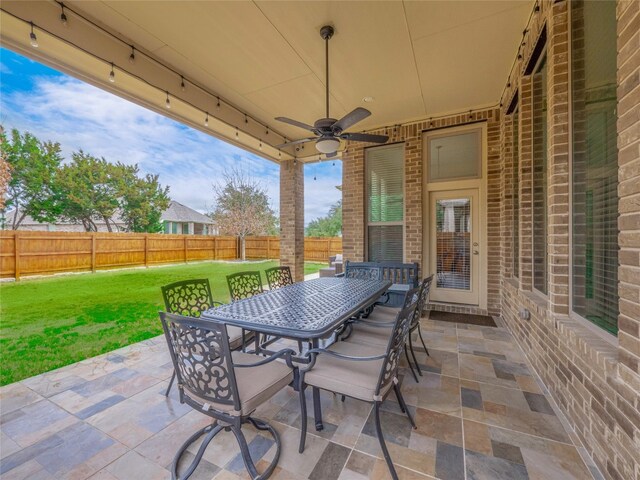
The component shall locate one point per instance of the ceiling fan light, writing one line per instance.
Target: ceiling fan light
(327, 145)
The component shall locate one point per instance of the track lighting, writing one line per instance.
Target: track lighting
(206, 120)
(183, 87)
(260, 146)
(63, 16)
(246, 120)
(33, 38)
(112, 75)
(132, 57)
(218, 104)
(236, 133)
(168, 102)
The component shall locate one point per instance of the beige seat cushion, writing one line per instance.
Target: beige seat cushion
(356, 379)
(235, 336)
(256, 385)
(370, 335)
(383, 314)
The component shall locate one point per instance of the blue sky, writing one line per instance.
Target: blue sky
(54, 106)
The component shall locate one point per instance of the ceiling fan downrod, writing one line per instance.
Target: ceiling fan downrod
(326, 33)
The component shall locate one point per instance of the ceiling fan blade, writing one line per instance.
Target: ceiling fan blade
(296, 142)
(365, 137)
(350, 119)
(296, 123)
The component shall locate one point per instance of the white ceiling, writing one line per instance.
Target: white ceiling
(417, 59)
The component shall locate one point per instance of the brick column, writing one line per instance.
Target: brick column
(292, 217)
(558, 159)
(506, 202)
(353, 204)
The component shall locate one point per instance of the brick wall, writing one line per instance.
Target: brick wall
(354, 186)
(292, 217)
(595, 382)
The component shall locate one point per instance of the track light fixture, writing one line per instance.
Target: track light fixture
(206, 120)
(63, 16)
(168, 102)
(132, 57)
(33, 38)
(218, 104)
(236, 133)
(183, 87)
(112, 75)
(246, 119)
(260, 145)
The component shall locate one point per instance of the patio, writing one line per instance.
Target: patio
(481, 413)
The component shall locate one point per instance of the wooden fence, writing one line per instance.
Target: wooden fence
(25, 253)
(316, 249)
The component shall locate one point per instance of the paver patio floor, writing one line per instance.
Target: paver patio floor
(481, 414)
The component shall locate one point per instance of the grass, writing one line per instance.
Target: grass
(51, 322)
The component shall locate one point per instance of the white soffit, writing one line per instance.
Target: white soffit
(417, 59)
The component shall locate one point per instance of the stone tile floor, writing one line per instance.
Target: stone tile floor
(481, 414)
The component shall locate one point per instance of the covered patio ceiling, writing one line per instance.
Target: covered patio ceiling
(265, 59)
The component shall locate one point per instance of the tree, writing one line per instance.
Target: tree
(90, 191)
(142, 202)
(329, 226)
(96, 189)
(5, 177)
(31, 187)
(242, 207)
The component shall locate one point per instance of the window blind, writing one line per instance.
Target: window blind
(594, 164)
(385, 202)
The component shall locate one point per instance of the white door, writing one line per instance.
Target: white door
(455, 246)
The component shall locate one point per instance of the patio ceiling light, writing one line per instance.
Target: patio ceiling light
(132, 57)
(327, 144)
(33, 38)
(63, 16)
(112, 75)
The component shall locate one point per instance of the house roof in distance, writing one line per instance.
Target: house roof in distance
(178, 212)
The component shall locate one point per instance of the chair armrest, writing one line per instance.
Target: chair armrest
(313, 353)
(286, 353)
(341, 274)
(216, 304)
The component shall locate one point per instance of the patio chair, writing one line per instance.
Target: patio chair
(362, 270)
(376, 329)
(191, 298)
(244, 285)
(278, 277)
(358, 372)
(226, 386)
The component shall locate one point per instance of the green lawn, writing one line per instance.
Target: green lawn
(52, 322)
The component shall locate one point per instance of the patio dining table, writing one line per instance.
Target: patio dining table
(305, 311)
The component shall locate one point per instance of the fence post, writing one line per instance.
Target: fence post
(185, 249)
(16, 253)
(93, 253)
(146, 250)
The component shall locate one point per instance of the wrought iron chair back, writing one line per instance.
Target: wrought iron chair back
(404, 273)
(201, 358)
(395, 347)
(189, 297)
(278, 277)
(363, 270)
(244, 285)
(424, 288)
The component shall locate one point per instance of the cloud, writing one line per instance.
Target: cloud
(80, 116)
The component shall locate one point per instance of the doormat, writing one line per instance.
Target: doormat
(483, 320)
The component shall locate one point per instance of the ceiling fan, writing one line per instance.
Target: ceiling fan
(329, 131)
